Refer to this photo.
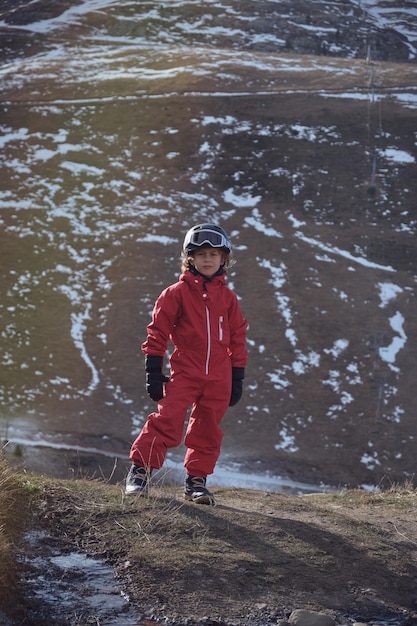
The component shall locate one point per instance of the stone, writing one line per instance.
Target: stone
(302, 617)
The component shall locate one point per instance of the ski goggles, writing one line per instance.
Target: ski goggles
(211, 237)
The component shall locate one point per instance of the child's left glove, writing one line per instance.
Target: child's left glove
(238, 374)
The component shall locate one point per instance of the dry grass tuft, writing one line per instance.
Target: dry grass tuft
(12, 523)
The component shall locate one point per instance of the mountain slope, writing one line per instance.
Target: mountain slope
(123, 123)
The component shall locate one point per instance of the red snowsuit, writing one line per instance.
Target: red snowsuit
(204, 321)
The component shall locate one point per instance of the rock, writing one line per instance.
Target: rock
(302, 617)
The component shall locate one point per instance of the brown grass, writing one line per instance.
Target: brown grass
(12, 524)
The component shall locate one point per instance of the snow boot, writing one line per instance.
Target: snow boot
(196, 491)
(137, 481)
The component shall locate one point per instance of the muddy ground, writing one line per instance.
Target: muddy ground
(253, 558)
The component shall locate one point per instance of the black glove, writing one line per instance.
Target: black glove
(238, 374)
(155, 379)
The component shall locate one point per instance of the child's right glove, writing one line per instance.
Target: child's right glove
(238, 374)
(155, 379)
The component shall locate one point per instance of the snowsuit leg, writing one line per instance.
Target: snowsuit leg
(165, 428)
(204, 435)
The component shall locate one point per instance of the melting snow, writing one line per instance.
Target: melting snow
(388, 292)
(390, 352)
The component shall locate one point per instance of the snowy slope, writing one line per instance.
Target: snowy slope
(122, 123)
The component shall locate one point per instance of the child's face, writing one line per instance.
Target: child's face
(208, 261)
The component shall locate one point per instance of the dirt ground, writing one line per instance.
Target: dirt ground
(253, 558)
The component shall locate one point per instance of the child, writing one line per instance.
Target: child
(202, 318)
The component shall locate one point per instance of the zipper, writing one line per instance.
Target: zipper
(221, 327)
(208, 340)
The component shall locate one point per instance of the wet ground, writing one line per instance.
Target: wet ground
(71, 588)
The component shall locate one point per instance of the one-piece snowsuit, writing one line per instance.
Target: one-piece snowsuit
(203, 319)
